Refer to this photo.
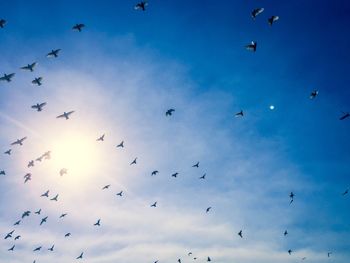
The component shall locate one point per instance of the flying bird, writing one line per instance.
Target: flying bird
(344, 116)
(19, 141)
(38, 212)
(252, 46)
(154, 172)
(63, 171)
(106, 186)
(208, 259)
(102, 138)
(154, 204)
(12, 248)
(29, 67)
(67, 235)
(26, 213)
(2, 23)
(290, 252)
(240, 233)
(17, 223)
(329, 254)
(272, 19)
(43, 220)
(8, 235)
(120, 193)
(8, 152)
(196, 165)
(63, 215)
(257, 12)
(175, 175)
(239, 114)
(285, 233)
(46, 194)
(30, 164)
(37, 249)
(120, 144)
(8, 77)
(291, 196)
(17, 237)
(27, 177)
(313, 94)
(203, 176)
(346, 192)
(55, 198)
(65, 115)
(2, 172)
(81, 256)
(37, 81)
(51, 248)
(98, 223)
(39, 106)
(134, 161)
(169, 112)
(53, 53)
(78, 27)
(208, 209)
(141, 6)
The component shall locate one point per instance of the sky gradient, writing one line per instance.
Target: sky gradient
(120, 75)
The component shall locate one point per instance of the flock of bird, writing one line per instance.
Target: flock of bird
(66, 115)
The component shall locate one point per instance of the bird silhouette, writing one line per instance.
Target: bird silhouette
(19, 141)
(290, 252)
(285, 233)
(239, 114)
(2, 23)
(8, 235)
(81, 256)
(203, 176)
(329, 254)
(208, 259)
(291, 196)
(106, 187)
(17, 223)
(17, 237)
(256, 12)
(63, 171)
(65, 115)
(26, 213)
(154, 172)
(43, 220)
(141, 6)
(134, 161)
(208, 209)
(67, 235)
(30, 67)
(54, 198)
(240, 233)
(63, 215)
(37, 81)
(346, 192)
(120, 193)
(53, 53)
(344, 116)
(102, 138)
(78, 27)
(169, 112)
(46, 194)
(27, 177)
(98, 223)
(8, 152)
(11, 248)
(38, 212)
(154, 204)
(30, 164)
(252, 46)
(2, 172)
(7, 77)
(196, 165)
(272, 19)
(175, 175)
(51, 248)
(39, 106)
(313, 94)
(37, 249)
(120, 144)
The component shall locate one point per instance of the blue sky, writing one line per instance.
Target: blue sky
(121, 74)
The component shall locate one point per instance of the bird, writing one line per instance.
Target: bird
(120, 144)
(63, 171)
(179, 260)
(285, 233)
(291, 195)
(272, 19)
(54, 198)
(256, 12)
(31, 164)
(196, 165)
(26, 213)
(154, 172)
(39, 106)
(344, 116)
(120, 193)
(203, 176)
(106, 187)
(30, 67)
(208, 209)
(239, 114)
(65, 115)
(37, 81)
(17, 237)
(154, 204)
(329, 254)
(51, 248)
(12, 248)
(208, 259)
(2, 23)
(43, 220)
(80, 256)
(303, 258)
(2, 172)
(346, 192)
(19, 141)
(8, 235)
(8, 77)
(98, 223)
(38, 212)
(47, 155)
(134, 161)
(252, 46)
(37, 249)
(53, 53)
(141, 6)
(240, 233)
(313, 94)
(67, 235)
(102, 138)
(78, 27)
(17, 223)
(8, 152)
(175, 175)
(63, 215)
(290, 252)
(39, 159)
(169, 112)
(46, 194)
(27, 177)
